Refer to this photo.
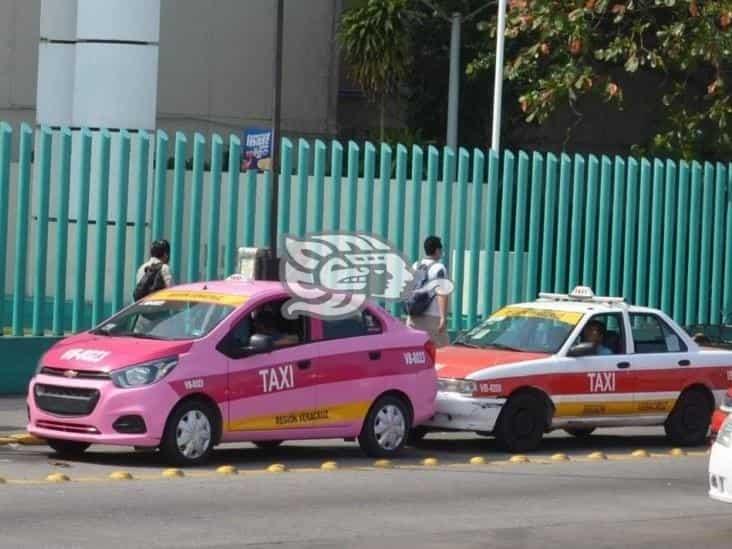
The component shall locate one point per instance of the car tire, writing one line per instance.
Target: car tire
(416, 435)
(67, 448)
(688, 423)
(580, 432)
(267, 444)
(190, 434)
(386, 428)
(521, 424)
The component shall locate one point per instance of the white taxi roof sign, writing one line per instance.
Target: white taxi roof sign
(581, 293)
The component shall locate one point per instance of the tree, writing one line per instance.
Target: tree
(375, 42)
(558, 51)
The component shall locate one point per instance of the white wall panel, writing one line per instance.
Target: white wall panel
(58, 19)
(130, 20)
(55, 83)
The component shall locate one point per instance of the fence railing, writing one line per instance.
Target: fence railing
(79, 208)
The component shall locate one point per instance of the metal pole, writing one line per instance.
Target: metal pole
(453, 102)
(276, 115)
(498, 78)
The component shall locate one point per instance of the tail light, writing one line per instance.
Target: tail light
(431, 350)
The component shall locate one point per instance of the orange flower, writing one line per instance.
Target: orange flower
(544, 49)
(575, 46)
(725, 20)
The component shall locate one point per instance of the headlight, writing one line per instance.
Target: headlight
(462, 386)
(725, 433)
(144, 374)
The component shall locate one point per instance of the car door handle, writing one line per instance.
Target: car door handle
(374, 355)
(623, 365)
(684, 362)
(303, 364)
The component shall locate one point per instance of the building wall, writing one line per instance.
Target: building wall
(216, 64)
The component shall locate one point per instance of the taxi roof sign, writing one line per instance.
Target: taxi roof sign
(581, 293)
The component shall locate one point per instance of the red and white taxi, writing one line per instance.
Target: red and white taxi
(577, 362)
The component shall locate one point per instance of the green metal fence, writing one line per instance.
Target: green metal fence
(78, 209)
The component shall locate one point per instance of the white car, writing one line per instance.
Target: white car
(720, 464)
(577, 362)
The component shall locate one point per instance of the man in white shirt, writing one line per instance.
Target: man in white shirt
(434, 319)
(159, 254)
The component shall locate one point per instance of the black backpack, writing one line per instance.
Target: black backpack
(151, 281)
(419, 300)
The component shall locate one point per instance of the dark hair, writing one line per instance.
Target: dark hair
(159, 249)
(432, 244)
(600, 325)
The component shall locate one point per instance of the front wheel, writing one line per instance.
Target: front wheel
(67, 448)
(688, 423)
(189, 434)
(386, 428)
(522, 423)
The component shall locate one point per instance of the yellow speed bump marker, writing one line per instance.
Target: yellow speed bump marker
(478, 460)
(677, 452)
(640, 454)
(227, 470)
(519, 458)
(276, 468)
(57, 477)
(430, 462)
(28, 440)
(6, 440)
(329, 466)
(2, 480)
(173, 473)
(560, 457)
(598, 456)
(383, 464)
(120, 475)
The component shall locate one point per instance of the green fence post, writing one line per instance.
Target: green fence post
(578, 212)
(194, 229)
(727, 293)
(303, 180)
(491, 231)
(336, 173)
(717, 306)
(143, 157)
(382, 227)
(179, 180)
(430, 209)
(401, 185)
(448, 180)
(519, 223)
(352, 186)
(232, 200)
(123, 178)
(654, 277)
(62, 231)
(214, 207)
(506, 222)
(6, 140)
(474, 235)
(562, 257)
(705, 258)
(161, 182)
(266, 199)
(669, 229)
(82, 226)
(250, 207)
(21, 230)
(100, 248)
(44, 190)
(416, 203)
(550, 220)
(459, 265)
(644, 229)
(369, 171)
(590, 252)
(537, 191)
(682, 244)
(317, 202)
(695, 220)
(617, 224)
(603, 228)
(631, 229)
(285, 189)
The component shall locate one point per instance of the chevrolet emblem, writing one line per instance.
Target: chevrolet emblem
(71, 373)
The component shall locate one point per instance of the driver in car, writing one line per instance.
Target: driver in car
(264, 324)
(594, 332)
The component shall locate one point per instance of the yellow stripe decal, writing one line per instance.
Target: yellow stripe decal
(613, 408)
(567, 317)
(313, 417)
(199, 297)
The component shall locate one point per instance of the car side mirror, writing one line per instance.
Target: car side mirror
(581, 349)
(258, 344)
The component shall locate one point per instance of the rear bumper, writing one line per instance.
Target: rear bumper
(720, 473)
(465, 413)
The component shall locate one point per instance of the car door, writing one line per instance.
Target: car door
(271, 391)
(661, 363)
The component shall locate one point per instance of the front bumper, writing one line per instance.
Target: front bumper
(720, 473)
(465, 413)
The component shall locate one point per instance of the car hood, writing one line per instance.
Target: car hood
(89, 352)
(460, 362)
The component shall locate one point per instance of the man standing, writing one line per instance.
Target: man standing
(154, 274)
(429, 272)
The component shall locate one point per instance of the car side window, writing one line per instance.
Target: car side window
(267, 319)
(606, 332)
(651, 334)
(360, 324)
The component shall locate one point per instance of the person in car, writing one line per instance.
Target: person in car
(264, 324)
(594, 332)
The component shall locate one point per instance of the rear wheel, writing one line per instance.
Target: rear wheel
(688, 423)
(580, 432)
(67, 448)
(267, 444)
(386, 428)
(189, 433)
(522, 423)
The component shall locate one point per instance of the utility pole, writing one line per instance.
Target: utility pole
(453, 96)
(498, 77)
(276, 122)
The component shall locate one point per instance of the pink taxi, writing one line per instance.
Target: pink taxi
(194, 366)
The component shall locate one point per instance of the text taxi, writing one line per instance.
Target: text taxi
(578, 362)
(190, 367)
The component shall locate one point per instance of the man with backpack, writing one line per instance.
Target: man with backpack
(154, 274)
(425, 307)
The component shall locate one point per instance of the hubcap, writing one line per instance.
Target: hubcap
(193, 434)
(390, 427)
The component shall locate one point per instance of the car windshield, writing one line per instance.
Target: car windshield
(165, 320)
(530, 330)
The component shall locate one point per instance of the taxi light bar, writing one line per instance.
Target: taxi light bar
(581, 293)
